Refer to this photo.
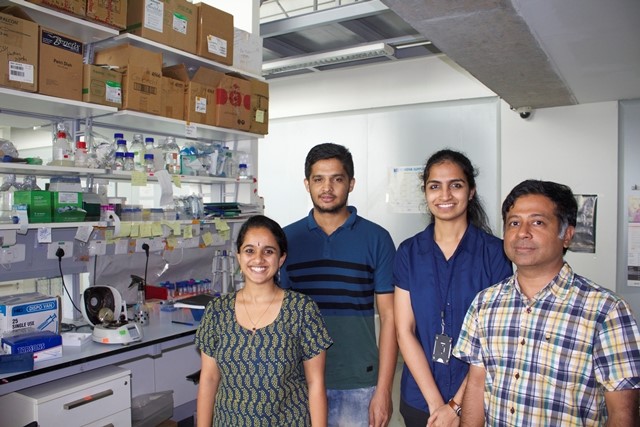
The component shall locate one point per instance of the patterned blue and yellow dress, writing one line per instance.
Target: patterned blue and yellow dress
(262, 382)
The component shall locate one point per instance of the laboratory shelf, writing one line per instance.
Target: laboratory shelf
(71, 25)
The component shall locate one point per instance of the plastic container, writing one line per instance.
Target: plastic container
(118, 164)
(81, 155)
(138, 150)
(129, 164)
(149, 165)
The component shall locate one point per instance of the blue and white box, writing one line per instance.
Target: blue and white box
(44, 345)
(29, 312)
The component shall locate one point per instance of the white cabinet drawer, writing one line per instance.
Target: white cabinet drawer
(77, 400)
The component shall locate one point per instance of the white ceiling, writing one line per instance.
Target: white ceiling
(538, 53)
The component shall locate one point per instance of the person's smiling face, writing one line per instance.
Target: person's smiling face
(447, 192)
(259, 256)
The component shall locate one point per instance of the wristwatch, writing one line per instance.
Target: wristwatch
(456, 408)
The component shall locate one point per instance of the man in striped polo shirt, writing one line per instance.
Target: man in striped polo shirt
(344, 262)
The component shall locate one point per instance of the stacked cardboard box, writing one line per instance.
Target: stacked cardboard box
(215, 34)
(18, 50)
(259, 107)
(109, 12)
(60, 64)
(75, 7)
(102, 85)
(142, 76)
(170, 22)
(172, 98)
(214, 98)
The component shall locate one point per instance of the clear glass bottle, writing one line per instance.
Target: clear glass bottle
(128, 162)
(81, 155)
(118, 164)
(62, 154)
(138, 150)
(121, 146)
(171, 152)
(148, 163)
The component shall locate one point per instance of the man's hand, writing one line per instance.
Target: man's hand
(443, 416)
(380, 408)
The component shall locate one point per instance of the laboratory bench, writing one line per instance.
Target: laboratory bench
(160, 361)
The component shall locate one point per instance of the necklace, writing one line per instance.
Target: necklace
(255, 324)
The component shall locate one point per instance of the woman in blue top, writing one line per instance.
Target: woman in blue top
(262, 348)
(437, 274)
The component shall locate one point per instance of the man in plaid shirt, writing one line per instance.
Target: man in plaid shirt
(548, 347)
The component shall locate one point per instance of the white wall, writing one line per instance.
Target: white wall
(575, 145)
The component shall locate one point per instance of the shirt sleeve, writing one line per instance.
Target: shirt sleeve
(616, 351)
(383, 274)
(468, 347)
(401, 268)
(206, 339)
(314, 337)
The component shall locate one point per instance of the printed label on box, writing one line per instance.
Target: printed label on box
(113, 92)
(179, 23)
(154, 11)
(70, 198)
(201, 105)
(20, 72)
(216, 45)
(56, 40)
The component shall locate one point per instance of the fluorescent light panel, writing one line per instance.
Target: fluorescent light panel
(326, 58)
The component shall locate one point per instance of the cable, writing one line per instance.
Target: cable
(60, 255)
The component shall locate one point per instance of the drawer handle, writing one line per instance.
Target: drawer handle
(88, 399)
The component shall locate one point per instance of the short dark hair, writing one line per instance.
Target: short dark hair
(326, 151)
(476, 214)
(566, 207)
(261, 221)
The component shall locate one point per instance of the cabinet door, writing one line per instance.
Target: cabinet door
(172, 369)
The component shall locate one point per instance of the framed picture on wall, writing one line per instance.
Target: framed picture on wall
(584, 239)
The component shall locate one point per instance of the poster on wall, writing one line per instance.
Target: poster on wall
(633, 239)
(584, 239)
(404, 194)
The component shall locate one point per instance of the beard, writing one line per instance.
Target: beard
(331, 209)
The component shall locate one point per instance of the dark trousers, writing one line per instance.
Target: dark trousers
(413, 417)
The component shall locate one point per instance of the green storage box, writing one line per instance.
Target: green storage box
(67, 207)
(38, 204)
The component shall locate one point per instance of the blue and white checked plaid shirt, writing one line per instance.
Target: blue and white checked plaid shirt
(549, 359)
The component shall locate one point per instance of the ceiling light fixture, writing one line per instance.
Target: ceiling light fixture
(299, 62)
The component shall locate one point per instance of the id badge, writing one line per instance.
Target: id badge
(442, 349)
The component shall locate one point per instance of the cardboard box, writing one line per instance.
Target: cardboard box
(60, 64)
(183, 24)
(173, 98)
(142, 76)
(247, 51)
(233, 102)
(215, 34)
(101, 85)
(170, 22)
(109, 12)
(259, 107)
(67, 207)
(29, 312)
(18, 50)
(38, 204)
(147, 18)
(75, 7)
(199, 94)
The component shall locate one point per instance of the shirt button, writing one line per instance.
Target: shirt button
(522, 342)
(512, 410)
(528, 309)
(517, 376)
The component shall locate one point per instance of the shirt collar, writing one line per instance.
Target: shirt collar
(467, 243)
(559, 286)
(349, 223)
